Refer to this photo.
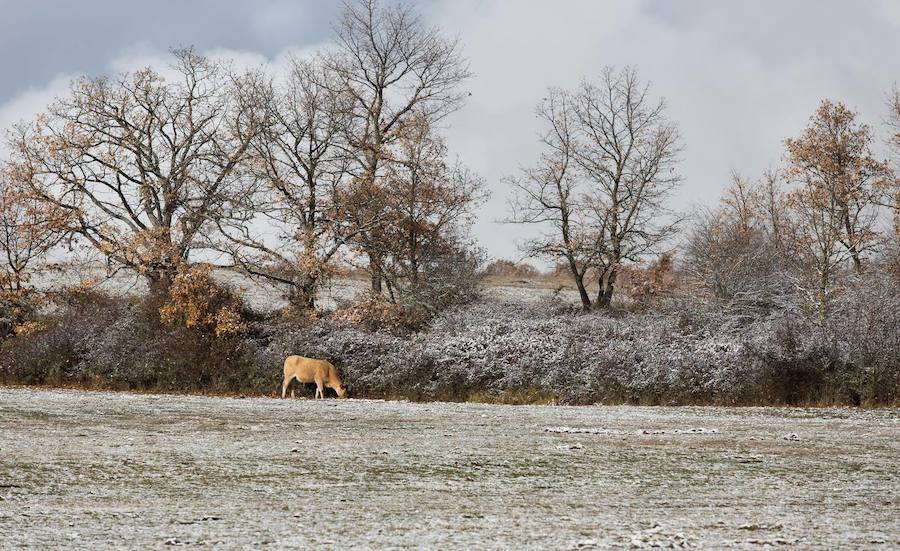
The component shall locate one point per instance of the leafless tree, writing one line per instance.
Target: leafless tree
(894, 120)
(394, 68)
(548, 194)
(139, 161)
(734, 254)
(892, 191)
(892, 195)
(429, 211)
(602, 182)
(293, 221)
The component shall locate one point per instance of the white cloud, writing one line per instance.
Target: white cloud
(738, 79)
(29, 103)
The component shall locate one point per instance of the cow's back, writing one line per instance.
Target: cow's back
(305, 369)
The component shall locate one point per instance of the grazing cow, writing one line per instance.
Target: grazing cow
(308, 370)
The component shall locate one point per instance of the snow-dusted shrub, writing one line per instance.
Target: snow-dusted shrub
(864, 330)
(650, 358)
(579, 358)
(138, 350)
(678, 353)
(790, 360)
(852, 357)
(498, 346)
(99, 341)
(51, 355)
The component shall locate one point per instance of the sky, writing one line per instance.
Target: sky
(738, 77)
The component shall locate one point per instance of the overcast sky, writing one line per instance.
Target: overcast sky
(739, 77)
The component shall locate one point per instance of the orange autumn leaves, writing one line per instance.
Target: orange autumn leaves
(810, 225)
(839, 188)
(199, 302)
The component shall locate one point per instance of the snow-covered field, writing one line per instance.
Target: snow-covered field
(264, 297)
(105, 470)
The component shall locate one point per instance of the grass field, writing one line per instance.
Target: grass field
(106, 470)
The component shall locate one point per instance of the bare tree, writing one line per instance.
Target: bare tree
(293, 222)
(892, 192)
(548, 194)
(734, 251)
(894, 120)
(141, 162)
(603, 179)
(629, 152)
(394, 68)
(892, 195)
(429, 211)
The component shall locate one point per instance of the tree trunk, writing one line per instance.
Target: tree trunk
(578, 276)
(159, 281)
(582, 292)
(375, 276)
(605, 293)
(823, 294)
(851, 238)
(391, 296)
(304, 294)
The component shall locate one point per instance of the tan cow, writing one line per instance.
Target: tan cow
(308, 370)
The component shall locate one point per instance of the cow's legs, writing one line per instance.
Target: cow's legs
(320, 389)
(287, 381)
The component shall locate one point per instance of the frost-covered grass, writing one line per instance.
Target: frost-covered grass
(105, 470)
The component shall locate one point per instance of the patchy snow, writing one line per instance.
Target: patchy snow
(590, 430)
(259, 295)
(84, 470)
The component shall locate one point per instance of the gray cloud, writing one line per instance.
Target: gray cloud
(42, 38)
(738, 77)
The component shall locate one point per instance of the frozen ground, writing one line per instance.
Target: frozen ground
(262, 296)
(104, 470)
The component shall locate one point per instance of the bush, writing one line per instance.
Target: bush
(51, 355)
(138, 351)
(450, 278)
(494, 351)
(647, 285)
(412, 307)
(198, 301)
(17, 308)
(511, 269)
(99, 341)
(376, 313)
